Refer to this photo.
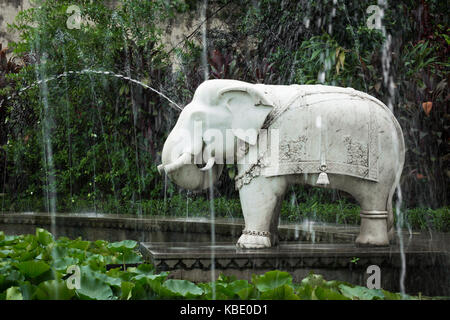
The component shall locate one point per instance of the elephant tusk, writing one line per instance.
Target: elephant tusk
(161, 168)
(209, 164)
(184, 159)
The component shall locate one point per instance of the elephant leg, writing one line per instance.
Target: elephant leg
(374, 222)
(261, 201)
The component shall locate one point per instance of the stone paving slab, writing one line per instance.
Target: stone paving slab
(160, 253)
(182, 245)
(426, 262)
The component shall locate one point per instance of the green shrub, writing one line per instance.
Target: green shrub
(314, 209)
(428, 219)
(106, 134)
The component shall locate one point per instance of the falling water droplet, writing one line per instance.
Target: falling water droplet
(321, 77)
(399, 214)
(306, 22)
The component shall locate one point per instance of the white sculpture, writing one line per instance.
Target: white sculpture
(319, 135)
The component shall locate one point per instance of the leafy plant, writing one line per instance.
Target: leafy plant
(107, 133)
(33, 267)
(99, 150)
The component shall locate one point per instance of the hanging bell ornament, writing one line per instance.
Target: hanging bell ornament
(323, 177)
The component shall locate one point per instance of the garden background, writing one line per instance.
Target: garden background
(106, 134)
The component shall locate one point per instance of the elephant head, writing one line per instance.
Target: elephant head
(221, 113)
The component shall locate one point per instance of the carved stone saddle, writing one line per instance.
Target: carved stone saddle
(324, 129)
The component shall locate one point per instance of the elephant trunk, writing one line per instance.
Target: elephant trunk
(181, 169)
(184, 159)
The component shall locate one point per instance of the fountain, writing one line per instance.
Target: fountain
(180, 155)
(87, 72)
(278, 133)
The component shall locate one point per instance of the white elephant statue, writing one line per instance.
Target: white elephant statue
(324, 136)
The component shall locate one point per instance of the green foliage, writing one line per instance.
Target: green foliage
(272, 280)
(22, 277)
(181, 289)
(93, 288)
(35, 266)
(107, 134)
(13, 293)
(53, 290)
(307, 206)
(103, 146)
(32, 269)
(297, 43)
(361, 293)
(428, 219)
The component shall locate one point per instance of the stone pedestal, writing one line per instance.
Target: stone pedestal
(426, 262)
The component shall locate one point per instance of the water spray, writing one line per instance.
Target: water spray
(89, 71)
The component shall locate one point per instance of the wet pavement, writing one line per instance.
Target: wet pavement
(426, 261)
(115, 227)
(183, 247)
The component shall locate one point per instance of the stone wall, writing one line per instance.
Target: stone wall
(174, 32)
(8, 12)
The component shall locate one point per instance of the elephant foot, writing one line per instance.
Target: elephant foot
(372, 240)
(373, 230)
(248, 241)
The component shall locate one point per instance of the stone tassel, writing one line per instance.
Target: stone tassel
(323, 179)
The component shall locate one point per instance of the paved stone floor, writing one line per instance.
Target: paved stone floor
(183, 246)
(425, 256)
(414, 245)
(114, 227)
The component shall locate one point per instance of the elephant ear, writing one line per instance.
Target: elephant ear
(249, 107)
